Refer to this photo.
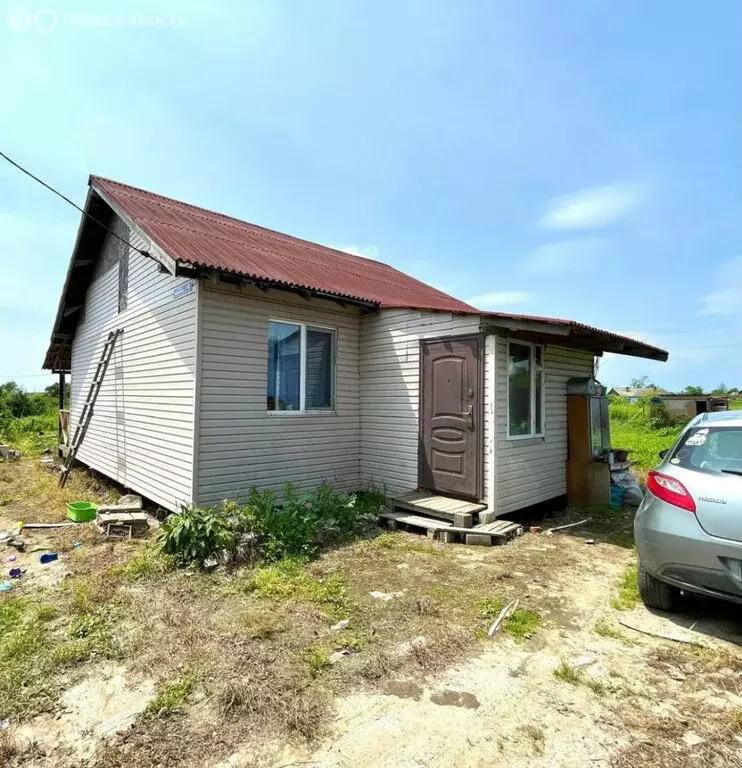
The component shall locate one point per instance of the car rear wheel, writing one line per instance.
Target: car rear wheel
(655, 593)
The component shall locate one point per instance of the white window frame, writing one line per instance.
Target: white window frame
(542, 373)
(303, 410)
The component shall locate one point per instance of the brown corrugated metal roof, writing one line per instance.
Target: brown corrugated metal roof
(198, 238)
(612, 342)
(201, 238)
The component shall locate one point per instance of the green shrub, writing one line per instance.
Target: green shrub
(148, 562)
(302, 523)
(297, 527)
(195, 534)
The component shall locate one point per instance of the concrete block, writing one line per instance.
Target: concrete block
(478, 539)
(430, 533)
(449, 537)
(487, 517)
(393, 525)
(463, 519)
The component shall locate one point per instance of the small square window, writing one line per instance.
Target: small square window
(301, 367)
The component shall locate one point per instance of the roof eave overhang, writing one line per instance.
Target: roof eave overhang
(570, 335)
(197, 272)
(89, 237)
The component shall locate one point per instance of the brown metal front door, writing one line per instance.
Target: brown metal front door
(450, 416)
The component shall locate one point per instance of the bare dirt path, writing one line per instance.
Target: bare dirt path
(630, 704)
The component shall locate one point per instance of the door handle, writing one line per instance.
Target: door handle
(469, 416)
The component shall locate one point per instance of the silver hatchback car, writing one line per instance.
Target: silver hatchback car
(688, 529)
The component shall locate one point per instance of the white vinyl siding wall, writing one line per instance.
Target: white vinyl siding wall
(532, 470)
(141, 432)
(390, 391)
(241, 444)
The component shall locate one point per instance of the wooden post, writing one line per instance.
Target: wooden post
(60, 437)
(61, 390)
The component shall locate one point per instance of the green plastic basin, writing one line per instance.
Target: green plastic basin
(81, 511)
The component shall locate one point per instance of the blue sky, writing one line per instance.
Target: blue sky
(578, 159)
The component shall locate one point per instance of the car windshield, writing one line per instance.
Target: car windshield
(710, 449)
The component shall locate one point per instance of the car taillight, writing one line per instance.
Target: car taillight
(669, 489)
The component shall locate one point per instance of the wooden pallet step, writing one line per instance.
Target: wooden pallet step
(499, 526)
(428, 504)
(445, 531)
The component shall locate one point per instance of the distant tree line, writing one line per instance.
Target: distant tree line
(644, 382)
(15, 402)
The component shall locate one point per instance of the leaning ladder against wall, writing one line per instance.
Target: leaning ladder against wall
(87, 410)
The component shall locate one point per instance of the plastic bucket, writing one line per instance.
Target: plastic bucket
(81, 511)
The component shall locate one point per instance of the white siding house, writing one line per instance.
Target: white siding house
(142, 431)
(249, 358)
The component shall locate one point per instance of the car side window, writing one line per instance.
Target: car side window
(710, 449)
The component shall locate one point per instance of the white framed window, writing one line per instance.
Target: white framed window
(526, 392)
(301, 367)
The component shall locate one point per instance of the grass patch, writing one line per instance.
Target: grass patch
(36, 647)
(645, 443)
(318, 658)
(170, 698)
(290, 580)
(147, 563)
(276, 701)
(521, 625)
(568, 674)
(396, 541)
(628, 591)
(596, 686)
(32, 493)
(26, 662)
(604, 629)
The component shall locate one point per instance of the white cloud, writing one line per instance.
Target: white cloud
(365, 251)
(499, 299)
(567, 256)
(591, 208)
(726, 298)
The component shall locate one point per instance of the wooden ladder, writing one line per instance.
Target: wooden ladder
(87, 410)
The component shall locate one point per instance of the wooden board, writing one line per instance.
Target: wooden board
(417, 521)
(500, 531)
(499, 526)
(432, 504)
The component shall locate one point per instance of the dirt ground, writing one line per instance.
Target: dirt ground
(264, 667)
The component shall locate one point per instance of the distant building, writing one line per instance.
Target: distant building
(691, 405)
(634, 394)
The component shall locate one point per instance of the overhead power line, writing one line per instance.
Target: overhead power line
(74, 205)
